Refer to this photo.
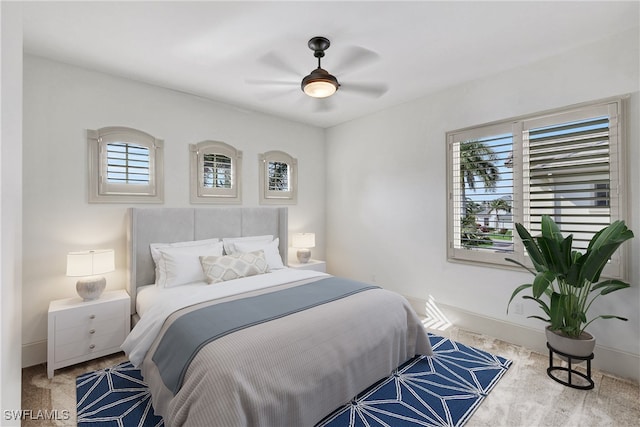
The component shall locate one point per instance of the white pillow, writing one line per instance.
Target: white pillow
(228, 267)
(155, 249)
(271, 252)
(181, 265)
(230, 242)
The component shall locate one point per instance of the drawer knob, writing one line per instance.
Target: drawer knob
(93, 316)
(92, 346)
(93, 331)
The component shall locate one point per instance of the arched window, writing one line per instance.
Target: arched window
(215, 173)
(125, 165)
(278, 178)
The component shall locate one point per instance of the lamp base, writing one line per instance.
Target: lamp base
(91, 288)
(304, 255)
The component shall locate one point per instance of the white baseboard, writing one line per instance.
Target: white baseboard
(34, 353)
(619, 363)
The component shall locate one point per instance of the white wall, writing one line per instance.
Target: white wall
(10, 209)
(61, 102)
(386, 188)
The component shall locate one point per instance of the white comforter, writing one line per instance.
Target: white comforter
(171, 299)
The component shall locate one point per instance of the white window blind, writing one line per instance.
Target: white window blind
(278, 176)
(217, 171)
(128, 163)
(567, 165)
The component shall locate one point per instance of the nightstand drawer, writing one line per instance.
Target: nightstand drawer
(88, 330)
(90, 315)
(88, 344)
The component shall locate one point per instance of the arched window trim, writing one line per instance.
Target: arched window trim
(101, 189)
(202, 194)
(278, 197)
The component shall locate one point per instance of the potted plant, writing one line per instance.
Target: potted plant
(566, 281)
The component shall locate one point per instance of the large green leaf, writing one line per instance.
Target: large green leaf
(601, 247)
(609, 286)
(542, 282)
(550, 229)
(532, 248)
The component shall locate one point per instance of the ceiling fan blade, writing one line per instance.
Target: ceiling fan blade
(374, 90)
(272, 82)
(354, 58)
(274, 60)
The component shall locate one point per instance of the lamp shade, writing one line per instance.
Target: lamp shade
(90, 263)
(304, 240)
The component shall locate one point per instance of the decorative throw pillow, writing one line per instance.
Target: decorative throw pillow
(228, 267)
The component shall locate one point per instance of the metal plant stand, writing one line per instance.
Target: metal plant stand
(569, 370)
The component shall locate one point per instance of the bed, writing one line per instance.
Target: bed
(278, 347)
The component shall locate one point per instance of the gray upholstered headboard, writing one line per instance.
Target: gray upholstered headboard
(168, 225)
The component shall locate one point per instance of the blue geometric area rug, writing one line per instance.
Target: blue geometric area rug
(115, 396)
(440, 390)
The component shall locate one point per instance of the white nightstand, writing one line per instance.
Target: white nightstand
(84, 330)
(313, 264)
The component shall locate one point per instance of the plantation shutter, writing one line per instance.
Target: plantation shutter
(570, 172)
(217, 172)
(278, 176)
(481, 212)
(128, 163)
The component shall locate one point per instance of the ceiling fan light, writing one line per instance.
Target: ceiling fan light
(320, 84)
(319, 89)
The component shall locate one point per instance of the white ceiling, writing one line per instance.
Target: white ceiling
(219, 50)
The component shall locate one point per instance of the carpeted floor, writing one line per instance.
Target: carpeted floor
(525, 396)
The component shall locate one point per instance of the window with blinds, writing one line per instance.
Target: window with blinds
(215, 169)
(125, 165)
(566, 164)
(128, 163)
(483, 193)
(567, 175)
(278, 178)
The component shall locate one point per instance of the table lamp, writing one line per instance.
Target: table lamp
(304, 241)
(90, 265)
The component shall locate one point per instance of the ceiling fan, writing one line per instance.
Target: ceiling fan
(322, 84)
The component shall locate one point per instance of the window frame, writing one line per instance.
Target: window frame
(201, 194)
(615, 109)
(101, 190)
(272, 197)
